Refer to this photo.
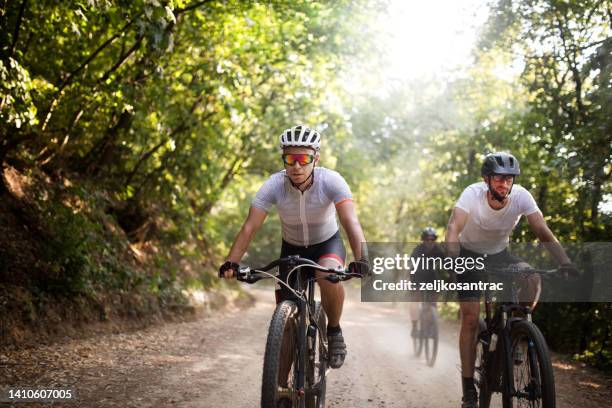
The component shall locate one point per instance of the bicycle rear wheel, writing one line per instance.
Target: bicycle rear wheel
(316, 379)
(278, 389)
(534, 382)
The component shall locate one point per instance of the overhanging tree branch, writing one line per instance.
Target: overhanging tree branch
(122, 59)
(70, 77)
(190, 7)
(17, 27)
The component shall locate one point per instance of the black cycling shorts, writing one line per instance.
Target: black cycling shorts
(330, 248)
(501, 259)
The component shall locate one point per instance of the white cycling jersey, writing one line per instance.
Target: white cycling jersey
(307, 217)
(487, 231)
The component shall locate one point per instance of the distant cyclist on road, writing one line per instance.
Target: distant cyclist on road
(307, 198)
(428, 249)
(481, 224)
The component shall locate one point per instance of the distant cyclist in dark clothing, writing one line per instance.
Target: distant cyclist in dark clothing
(427, 249)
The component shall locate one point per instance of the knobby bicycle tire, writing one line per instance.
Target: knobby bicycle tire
(537, 360)
(317, 364)
(429, 335)
(482, 366)
(281, 351)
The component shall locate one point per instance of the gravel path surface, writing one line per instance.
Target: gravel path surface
(216, 361)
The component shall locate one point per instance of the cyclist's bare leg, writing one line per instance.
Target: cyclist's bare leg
(470, 311)
(332, 299)
(433, 298)
(332, 294)
(414, 307)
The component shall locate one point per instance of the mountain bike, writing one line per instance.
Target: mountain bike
(427, 340)
(512, 357)
(295, 361)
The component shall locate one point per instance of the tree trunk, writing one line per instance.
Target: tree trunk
(542, 195)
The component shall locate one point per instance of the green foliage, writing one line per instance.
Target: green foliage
(16, 107)
(579, 329)
(80, 256)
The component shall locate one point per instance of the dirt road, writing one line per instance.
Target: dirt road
(216, 362)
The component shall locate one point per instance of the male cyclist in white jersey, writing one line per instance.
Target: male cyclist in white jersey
(480, 225)
(307, 198)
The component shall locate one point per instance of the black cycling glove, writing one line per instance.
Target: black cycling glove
(227, 266)
(360, 267)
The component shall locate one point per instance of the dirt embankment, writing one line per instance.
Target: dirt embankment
(69, 269)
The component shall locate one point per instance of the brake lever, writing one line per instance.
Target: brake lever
(244, 274)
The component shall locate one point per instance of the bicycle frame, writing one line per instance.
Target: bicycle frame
(307, 285)
(302, 285)
(500, 325)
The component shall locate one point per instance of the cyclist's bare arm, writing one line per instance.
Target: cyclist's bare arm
(350, 223)
(456, 223)
(251, 225)
(540, 228)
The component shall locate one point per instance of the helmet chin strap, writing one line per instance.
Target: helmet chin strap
(305, 181)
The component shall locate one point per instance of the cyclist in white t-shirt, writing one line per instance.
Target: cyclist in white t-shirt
(307, 198)
(481, 224)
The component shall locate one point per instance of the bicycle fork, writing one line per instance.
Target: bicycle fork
(533, 391)
(301, 349)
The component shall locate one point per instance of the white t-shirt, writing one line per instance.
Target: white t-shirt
(487, 231)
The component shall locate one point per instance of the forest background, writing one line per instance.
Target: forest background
(133, 135)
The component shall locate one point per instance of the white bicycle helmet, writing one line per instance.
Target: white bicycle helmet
(300, 136)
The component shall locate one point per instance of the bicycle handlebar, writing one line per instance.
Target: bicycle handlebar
(252, 275)
(527, 271)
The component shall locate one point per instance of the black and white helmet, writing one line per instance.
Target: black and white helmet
(429, 232)
(500, 163)
(300, 136)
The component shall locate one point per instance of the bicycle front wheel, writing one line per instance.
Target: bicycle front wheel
(533, 382)
(278, 389)
(482, 367)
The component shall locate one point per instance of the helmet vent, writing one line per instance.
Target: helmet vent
(499, 160)
(300, 136)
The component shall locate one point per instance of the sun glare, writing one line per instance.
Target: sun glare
(430, 38)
